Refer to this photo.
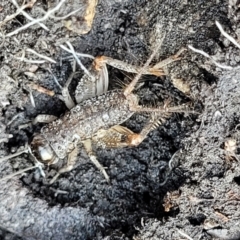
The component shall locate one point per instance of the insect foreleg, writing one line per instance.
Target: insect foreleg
(88, 146)
(72, 158)
(44, 118)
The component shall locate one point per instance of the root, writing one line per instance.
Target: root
(184, 235)
(31, 3)
(75, 55)
(41, 55)
(13, 155)
(48, 15)
(19, 10)
(37, 21)
(230, 38)
(208, 56)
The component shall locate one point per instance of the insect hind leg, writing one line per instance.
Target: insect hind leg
(93, 83)
(65, 92)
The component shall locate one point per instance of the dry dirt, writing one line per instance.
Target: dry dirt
(201, 197)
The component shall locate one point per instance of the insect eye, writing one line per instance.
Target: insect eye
(45, 153)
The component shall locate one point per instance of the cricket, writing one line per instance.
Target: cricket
(97, 116)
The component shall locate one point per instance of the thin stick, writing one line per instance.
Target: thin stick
(132, 85)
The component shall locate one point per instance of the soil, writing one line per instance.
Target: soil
(199, 197)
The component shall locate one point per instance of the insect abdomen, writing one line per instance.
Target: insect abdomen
(106, 110)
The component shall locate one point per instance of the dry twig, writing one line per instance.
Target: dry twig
(41, 89)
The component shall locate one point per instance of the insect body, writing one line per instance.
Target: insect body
(85, 119)
(97, 116)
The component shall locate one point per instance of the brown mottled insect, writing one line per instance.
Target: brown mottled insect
(98, 115)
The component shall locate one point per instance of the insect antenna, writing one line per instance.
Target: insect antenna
(119, 83)
(36, 165)
(14, 155)
(123, 84)
(18, 173)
